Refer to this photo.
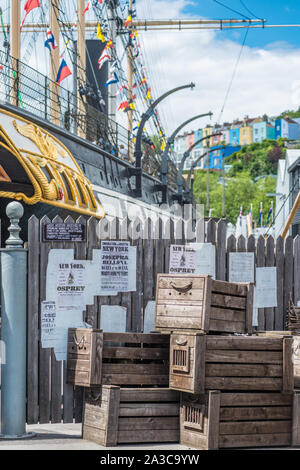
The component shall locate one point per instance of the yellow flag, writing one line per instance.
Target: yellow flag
(100, 34)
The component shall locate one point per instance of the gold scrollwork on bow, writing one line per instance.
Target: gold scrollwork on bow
(43, 141)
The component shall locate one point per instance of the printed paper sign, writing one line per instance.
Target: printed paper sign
(241, 267)
(266, 287)
(114, 266)
(205, 258)
(182, 260)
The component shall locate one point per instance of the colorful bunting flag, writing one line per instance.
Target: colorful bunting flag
(30, 5)
(86, 8)
(112, 79)
(269, 213)
(123, 105)
(103, 58)
(63, 72)
(50, 41)
(100, 35)
(128, 21)
(142, 81)
(260, 215)
(148, 95)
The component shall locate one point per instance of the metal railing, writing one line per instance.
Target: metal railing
(27, 88)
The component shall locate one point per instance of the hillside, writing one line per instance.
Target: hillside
(249, 179)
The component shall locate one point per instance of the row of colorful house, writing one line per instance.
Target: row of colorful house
(233, 135)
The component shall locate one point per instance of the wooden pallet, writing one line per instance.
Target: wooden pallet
(201, 362)
(114, 415)
(218, 420)
(128, 359)
(196, 302)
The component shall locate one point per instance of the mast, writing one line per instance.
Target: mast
(15, 48)
(54, 63)
(130, 83)
(111, 105)
(81, 63)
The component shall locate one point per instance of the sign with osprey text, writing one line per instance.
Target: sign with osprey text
(64, 232)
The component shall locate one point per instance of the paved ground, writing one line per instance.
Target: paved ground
(68, 437)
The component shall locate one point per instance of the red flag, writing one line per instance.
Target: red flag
(86, 8)
(63, 72)
(30, 5)
(123, 105)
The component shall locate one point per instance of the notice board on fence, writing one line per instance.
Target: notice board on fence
(193, 258)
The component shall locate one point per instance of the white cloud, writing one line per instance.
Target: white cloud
(263, 82)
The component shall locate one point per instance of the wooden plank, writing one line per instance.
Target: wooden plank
(229, 288)
(226, 326)
(93, 243)
(296, 269)
(260, 262)
(256, 427)
(113, 416)
(44, 353)
(259, 357)
(148, 423)
(205, 318)
(231, 248)
(211, 232)
(137, 297)
(68, 390)
(221, 250)
(213, 420)
(96, 358)
(142, 369)
(171, 295)
(253, 343)
(169, 240)
(288, 369)
(288, 274)
(243, 383)
(217, 313)
(173, 323)
(254, 413)
(33, 321)
(243, 370)
(255, 399)
(136, 379)
(166, 281)
(148, 436)
(145, 338)
(179, 310)
(149, 395)
(79, 253)
(255, 440)
(249, 309)
(296, 420)
(270, 261)
(278, 312)
(152, 409)
(228, 301)
(56, 366)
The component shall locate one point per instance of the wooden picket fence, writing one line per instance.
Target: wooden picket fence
(49, 398)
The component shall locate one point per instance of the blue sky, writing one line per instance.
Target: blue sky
(274, 11)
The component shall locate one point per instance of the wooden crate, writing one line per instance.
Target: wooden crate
(295, 348)
(196, 302)
(124, 359)
(114, 415)
(218, 420)
(201, 362)
(84, 359)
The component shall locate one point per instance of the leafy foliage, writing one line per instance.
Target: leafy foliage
(248, 181)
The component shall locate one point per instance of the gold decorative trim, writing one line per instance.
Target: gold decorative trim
(50, 192)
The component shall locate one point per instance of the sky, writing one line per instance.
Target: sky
(266, 79)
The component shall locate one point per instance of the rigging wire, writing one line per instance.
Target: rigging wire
(249, 11)
(233, 76)
(231, 9)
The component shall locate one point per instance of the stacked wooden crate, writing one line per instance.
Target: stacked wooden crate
(237, 390)
(126, 378)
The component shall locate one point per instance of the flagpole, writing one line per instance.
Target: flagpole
(54, 63)
(129, 86)
(81, 66)
(15, 48)
(261, 211)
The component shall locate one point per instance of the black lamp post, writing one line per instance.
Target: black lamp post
(185, 156)
(164, 166)
(137, 171)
